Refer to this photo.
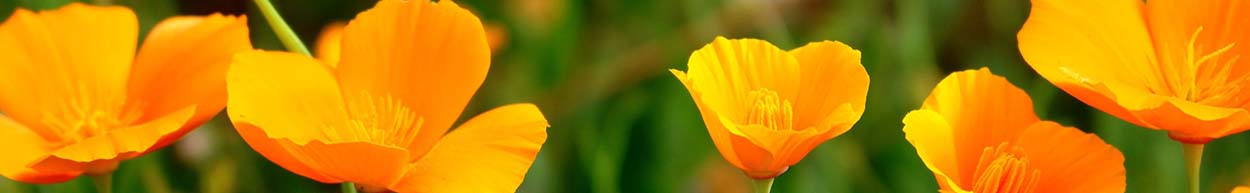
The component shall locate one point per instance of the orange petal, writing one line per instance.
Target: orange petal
(114, 145)
(822, 64)
(1191, 122)
(489, 153)
(1174, 26)
(302, 103)
(182, 63)
(983, 110)
(366, 164)
(1071, 160)
(24, 148)
(280, 152)
(431, 56)
(934, 140)
(329, 43)
(46, 59)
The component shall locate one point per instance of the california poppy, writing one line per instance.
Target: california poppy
(766, 108)
(1241, 189)
(978, 133)
(1169, 65)
(380, 117)
(77, 99)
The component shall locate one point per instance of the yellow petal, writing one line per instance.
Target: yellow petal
(46, 60)
(1071, 160)
(933, 138)
(1175, 28)
(113, 146)
(983, 110)
(24, 148)
(720, 135)
(431, 56)
(822, 66)
(301, 103)
(725, 71)
(489, 153)
(329, 43)
(183, 62)
(1241, 189)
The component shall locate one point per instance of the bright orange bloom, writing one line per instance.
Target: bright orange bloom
(978, 133)
(380, 117)
(1241, 189)
(766, 108)
(77, 99)
(1172, 65)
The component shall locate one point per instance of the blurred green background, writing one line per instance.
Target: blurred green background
(620, 123)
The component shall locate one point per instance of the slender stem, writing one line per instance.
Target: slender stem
(284, 32)
(1193, 165)
(103, 182)
(349, 187)
(763, 185)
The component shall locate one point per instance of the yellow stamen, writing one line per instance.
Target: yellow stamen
(382, 120)
(1005, 169)
(84, 115)
(769, 110)
(1209, 79)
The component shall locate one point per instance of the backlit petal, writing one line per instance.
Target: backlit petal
(280, 152)
(720, 135)
(431, 56)
(726, 70)
(46, 60)
(489, 153)
(933, 138)
(823, 64)
(183, 62)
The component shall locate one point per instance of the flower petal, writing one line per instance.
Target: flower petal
(46, 59)
(1174, 26)
(431, 56)
(183, 62)
(489, 153)
(726, 70)
(983, 110)
(329, 43)
(365, 163)
(24, 147)
(933, 138)
(721, 136)
(287, 95)
(113, 146)
(281, 152)
(1071, 160)
(822, 64)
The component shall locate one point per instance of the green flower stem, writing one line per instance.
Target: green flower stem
(284, 32)
(763, 185)
(349, 187)
(103, 182)
(1193, 165)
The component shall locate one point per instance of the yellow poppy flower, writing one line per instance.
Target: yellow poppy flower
(978, 133)
(766, 108)
(1169, 65)
(77, 99)
(380, 117)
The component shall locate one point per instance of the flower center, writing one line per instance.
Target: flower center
(769, 110)
(1005, 169)
(84, 115)
(1209, 78)
(381, 120)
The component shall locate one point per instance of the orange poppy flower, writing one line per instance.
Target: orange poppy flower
(978, 133)
(378, 117)
(77, 99)
(766, 108)
(1170, 65)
